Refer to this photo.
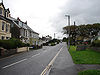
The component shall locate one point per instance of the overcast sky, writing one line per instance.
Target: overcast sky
(48, 16)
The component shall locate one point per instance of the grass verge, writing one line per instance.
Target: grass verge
(84, 57)
(89, 72)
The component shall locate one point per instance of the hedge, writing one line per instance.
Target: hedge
(12, 43)
(96, 43)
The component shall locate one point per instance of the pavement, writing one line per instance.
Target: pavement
(63, 64)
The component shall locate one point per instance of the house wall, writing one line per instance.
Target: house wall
(3, 32)
(34, 41)
(3, 10)
(15, 31)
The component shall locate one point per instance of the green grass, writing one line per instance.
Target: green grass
(89, 72)
(84, 57)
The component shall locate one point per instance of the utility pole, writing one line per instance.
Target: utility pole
(74, 37)
(54, 35)
(68, 30)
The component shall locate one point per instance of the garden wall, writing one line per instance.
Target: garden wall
(95, 49)
(22, 49)
(5, 52)
(81, 47)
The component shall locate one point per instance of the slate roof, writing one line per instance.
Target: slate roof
(13, 20)
(4, 17)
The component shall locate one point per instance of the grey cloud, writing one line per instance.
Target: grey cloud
(82, 11)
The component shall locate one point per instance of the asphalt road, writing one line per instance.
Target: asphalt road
(29, 63)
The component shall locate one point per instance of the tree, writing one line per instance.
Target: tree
(84, 31)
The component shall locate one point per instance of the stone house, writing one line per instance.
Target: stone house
(22, 31)
(5, 22)
(15, 28)
(46, 39)
(34, 38)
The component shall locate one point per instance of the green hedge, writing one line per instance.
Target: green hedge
(53, 44)
(96, 43)
(36, 47)
(12, 43)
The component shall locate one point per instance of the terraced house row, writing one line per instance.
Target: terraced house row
(15, 28)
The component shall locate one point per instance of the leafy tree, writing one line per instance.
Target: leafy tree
(84, 31)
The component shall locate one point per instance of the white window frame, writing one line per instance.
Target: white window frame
(4, 25)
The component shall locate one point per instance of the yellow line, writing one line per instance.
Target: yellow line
(50, 64)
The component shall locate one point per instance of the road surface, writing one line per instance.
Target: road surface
(29, 63)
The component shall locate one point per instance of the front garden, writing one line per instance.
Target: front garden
(84, 57)
(12, 46)
(87, 56)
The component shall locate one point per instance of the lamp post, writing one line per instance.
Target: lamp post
(68, 30)
(55, 35)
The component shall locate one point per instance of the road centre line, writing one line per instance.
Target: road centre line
(13, 64)
(50, 64)
(36, 55)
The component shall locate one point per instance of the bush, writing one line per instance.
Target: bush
(27, 44)
(12, 43)
(45, 44)
(37, 47)
(96, 43)
(53, 44)
(7, 44)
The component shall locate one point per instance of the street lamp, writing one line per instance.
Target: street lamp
(55, 35)
(68, 30)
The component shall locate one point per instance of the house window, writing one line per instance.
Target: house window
(0, 11)
(7, 14)
(3, 23)
(7, 38)
(6, 27)
(26, 33)
(2, 37)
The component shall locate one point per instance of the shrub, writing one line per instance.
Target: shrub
(45, 44)
(7, 44)
(53, 44)
(96, 43)
(12, 43)
(27, 44)
(37, 47)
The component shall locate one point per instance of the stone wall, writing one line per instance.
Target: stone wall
(5, 52)
(81, 47)
(95, 49)
(22, 49)
(84, 47)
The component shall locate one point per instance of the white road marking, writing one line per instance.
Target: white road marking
(45, 71)
(36, 55)
(13, 63)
